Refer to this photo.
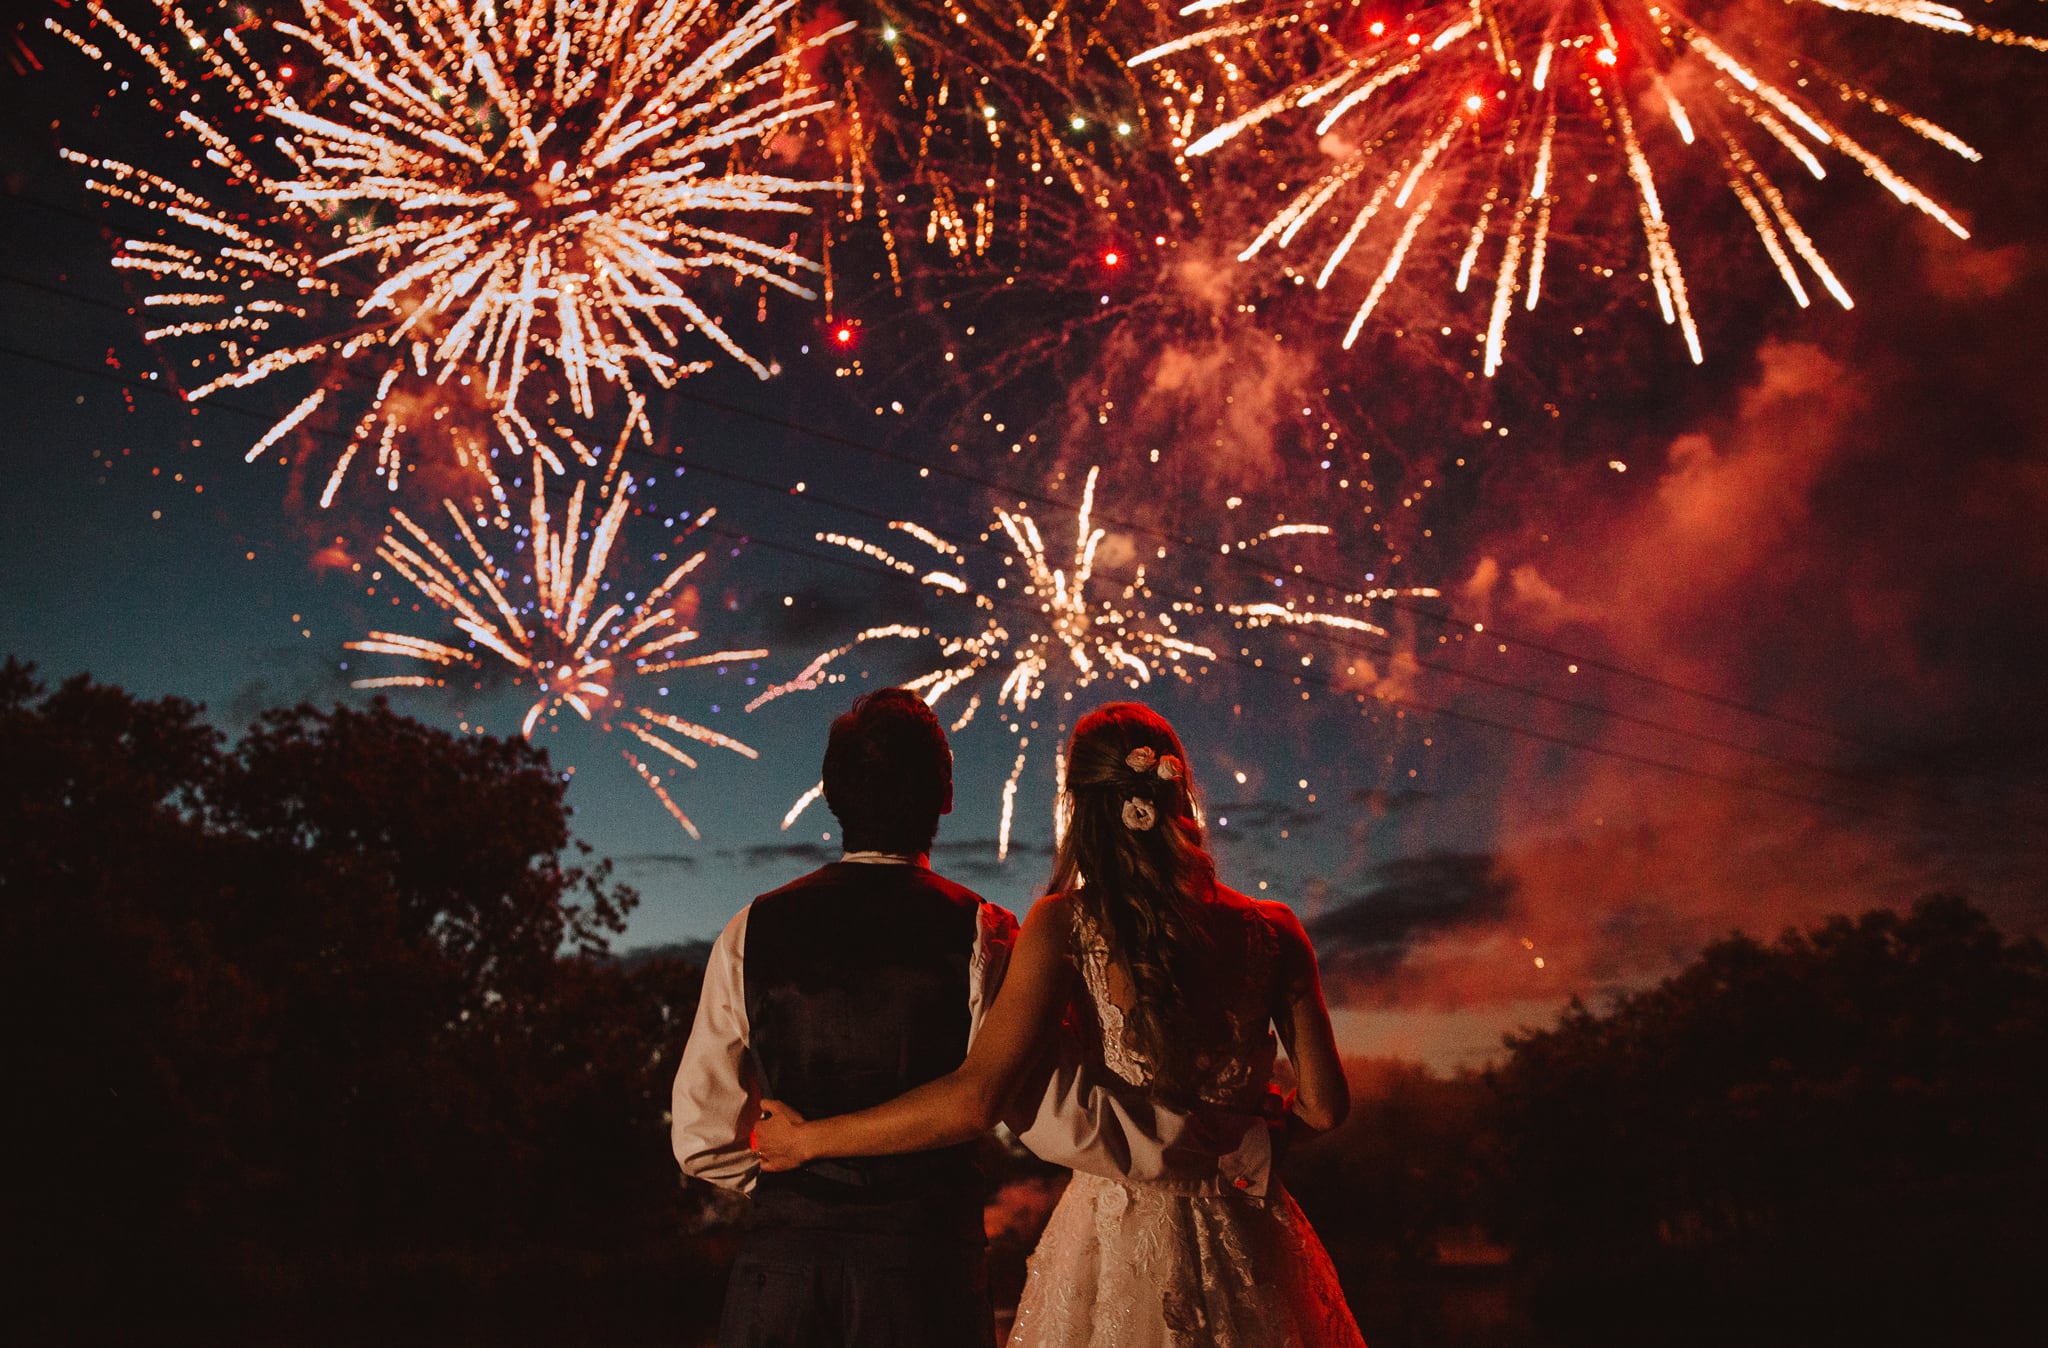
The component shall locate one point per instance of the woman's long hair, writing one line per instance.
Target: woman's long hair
(1133, 859)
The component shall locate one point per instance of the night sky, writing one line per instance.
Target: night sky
(1835, 527)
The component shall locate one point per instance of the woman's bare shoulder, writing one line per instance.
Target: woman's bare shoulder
(1282, 919)
(1052, 913)
(1276, 915)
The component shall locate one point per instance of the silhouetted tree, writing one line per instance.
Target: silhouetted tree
(128, 1026)
(332, 988)
(1847, 1115)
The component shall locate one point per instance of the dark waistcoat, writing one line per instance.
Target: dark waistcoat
(856, 990)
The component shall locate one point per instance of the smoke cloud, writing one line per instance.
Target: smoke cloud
(1797, 554)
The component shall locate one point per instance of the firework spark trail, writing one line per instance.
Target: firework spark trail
(467, 197)
(550, 625)
(1058, 627)
(1494, 109)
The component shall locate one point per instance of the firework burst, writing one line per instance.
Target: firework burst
(1051, 632)
(434, 204)
(552, 624)
(1463, 130)
(1049, 628)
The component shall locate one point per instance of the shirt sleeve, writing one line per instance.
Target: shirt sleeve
(995, 936)
(716, 1100)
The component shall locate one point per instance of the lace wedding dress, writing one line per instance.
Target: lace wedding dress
(1125, 1265)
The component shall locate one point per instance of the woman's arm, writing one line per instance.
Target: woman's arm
(1322, 1097)
(966, 1101)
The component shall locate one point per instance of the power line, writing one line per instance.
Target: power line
(1405, 605)
(1411, 704)
(69, 295)
(1437, 666)
(1360, 646)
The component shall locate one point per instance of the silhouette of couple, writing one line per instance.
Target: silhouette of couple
(851, 1044)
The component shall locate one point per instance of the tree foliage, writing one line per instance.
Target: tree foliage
(1857, 1110)
(332, 986)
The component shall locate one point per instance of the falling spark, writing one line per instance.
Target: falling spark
(1492, 113)
(436, 207)
(551, 623)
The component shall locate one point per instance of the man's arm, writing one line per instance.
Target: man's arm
(1086, 1125)
(716, 1100)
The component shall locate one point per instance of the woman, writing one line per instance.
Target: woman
(1179, 980)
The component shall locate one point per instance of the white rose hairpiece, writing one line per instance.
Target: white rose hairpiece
(1144, 759)
(1139, 813)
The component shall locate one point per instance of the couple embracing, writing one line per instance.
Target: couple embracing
(860, 1027)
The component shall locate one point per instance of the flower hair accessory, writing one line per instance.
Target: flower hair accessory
(1140, 814)
(1144, 759)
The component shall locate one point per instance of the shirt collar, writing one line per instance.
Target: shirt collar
(920, 859)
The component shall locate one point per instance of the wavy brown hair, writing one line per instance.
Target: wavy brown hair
(1141, 886)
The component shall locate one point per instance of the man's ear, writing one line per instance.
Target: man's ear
(947, 808)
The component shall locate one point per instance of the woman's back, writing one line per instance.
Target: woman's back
(1226, 1003)
(1124, 1264)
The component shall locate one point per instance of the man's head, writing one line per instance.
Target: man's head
(888, 773)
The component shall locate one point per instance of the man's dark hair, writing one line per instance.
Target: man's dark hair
(888, 773)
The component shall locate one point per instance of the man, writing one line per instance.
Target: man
(844, 989)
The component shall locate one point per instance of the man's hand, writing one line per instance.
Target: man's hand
(778, 1137)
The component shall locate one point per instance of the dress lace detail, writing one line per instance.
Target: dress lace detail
(1236, 1071)
(1119, 1054)
(1126, 1265)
